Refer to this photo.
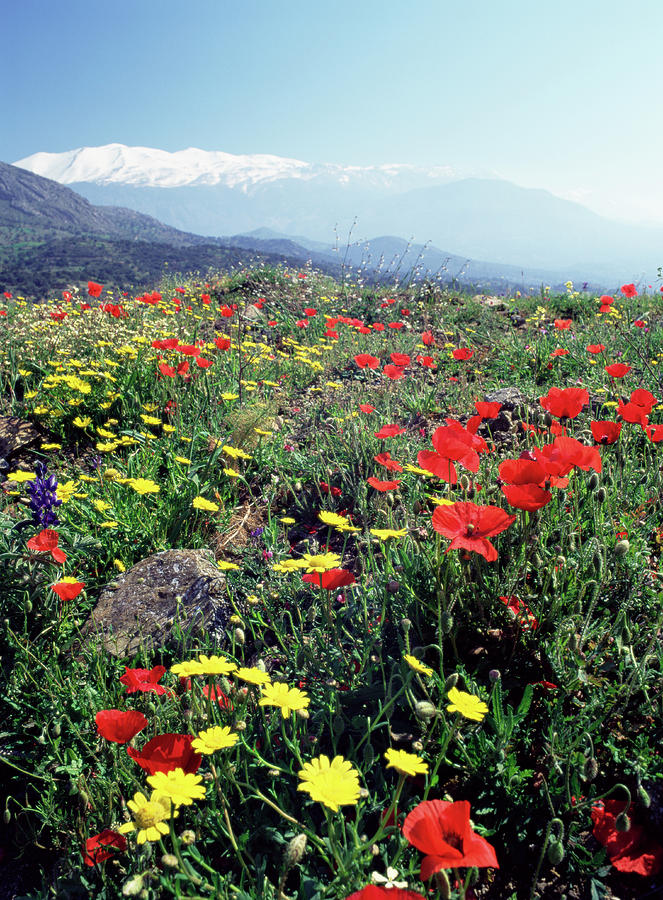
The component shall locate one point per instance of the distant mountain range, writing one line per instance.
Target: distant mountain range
(215, 193)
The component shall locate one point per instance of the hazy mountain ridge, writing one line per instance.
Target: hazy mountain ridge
(215, 193)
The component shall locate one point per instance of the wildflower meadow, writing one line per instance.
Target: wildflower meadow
(434, 667)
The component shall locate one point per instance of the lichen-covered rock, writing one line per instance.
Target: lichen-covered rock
(158, 600)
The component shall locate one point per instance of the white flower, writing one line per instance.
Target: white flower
(388, 881)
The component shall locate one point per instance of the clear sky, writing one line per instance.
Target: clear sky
(566, 95)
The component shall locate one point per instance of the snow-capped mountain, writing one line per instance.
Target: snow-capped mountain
(149, 167)
(215, 193)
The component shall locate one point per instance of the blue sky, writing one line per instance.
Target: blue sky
(566, 96)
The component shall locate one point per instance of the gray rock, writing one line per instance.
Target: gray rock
(17, 434)
(176, 591)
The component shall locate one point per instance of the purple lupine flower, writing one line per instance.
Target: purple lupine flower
(43, 499)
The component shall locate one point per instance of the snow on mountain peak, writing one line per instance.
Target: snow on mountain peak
(150, 167)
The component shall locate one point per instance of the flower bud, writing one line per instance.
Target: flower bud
(7, 816)
(621, 548)
(622, 823)
(643, 797)
(447, 622)
(294, 852)
(169, 861)
(188, 836)
(464, 482)
(393, 586)
(406, 624)
(390, 499)
(555, 852)
(417, 746)
(424, 710)
(600, 495)
(451, 681)
(240, 637)
(133, 886)
(593, 481)
(494, 676)
(590, 769)
(240, 725)
(302, 714)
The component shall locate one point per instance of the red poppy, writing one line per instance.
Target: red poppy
(564, 454)
(366, 408)
(47, 542)
(524, 484)
(118, 726)
(217, 695)
(366, 361)
(94, 289)
(188, 349)
(560, 352)
(487, 410)
(165, 344)
(617, 370)
(469, 526)
(395, 325)
(166, 752)
(605, 432)
(377, 326)
(528, 497)
(144, 680)
(166, 370)
(389, 431)
(375, 892)
(565, 401)
(633, 413)
(68, 590)
(462, 353)
(643, 398)
(454, 443)
(309, 311)
(203, 363)
(427, 338)
(400, 359)
(222, 343)
(521, 612)
(427, 362)
(225, 311)
(595, 348)
(384, 459)
(331, 579)
(393, 372)
(383, 485)
(634, 850)
(654, 433)
(442, 831)
(629, 290)
(97, 848)
(563, 324)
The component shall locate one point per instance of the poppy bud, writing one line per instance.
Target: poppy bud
(406, 624)
(393, 586)
(447, 622)
(417, 508)
(443, 886)
(600, 495)
(451, 681)
(56, 731)
(622, 823)
(621, 548)
(7, 816)
(425, 711)
(240, 637)
(294, 852)
(28, 606)
(547, 420)
(133, 887)
(390, 499)
(555, 852)
(593, 482)
(369, 755)
(590, 769)
(561, 560)
(338, 725)
(464, 482)
(494, 676)
(643, 797)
